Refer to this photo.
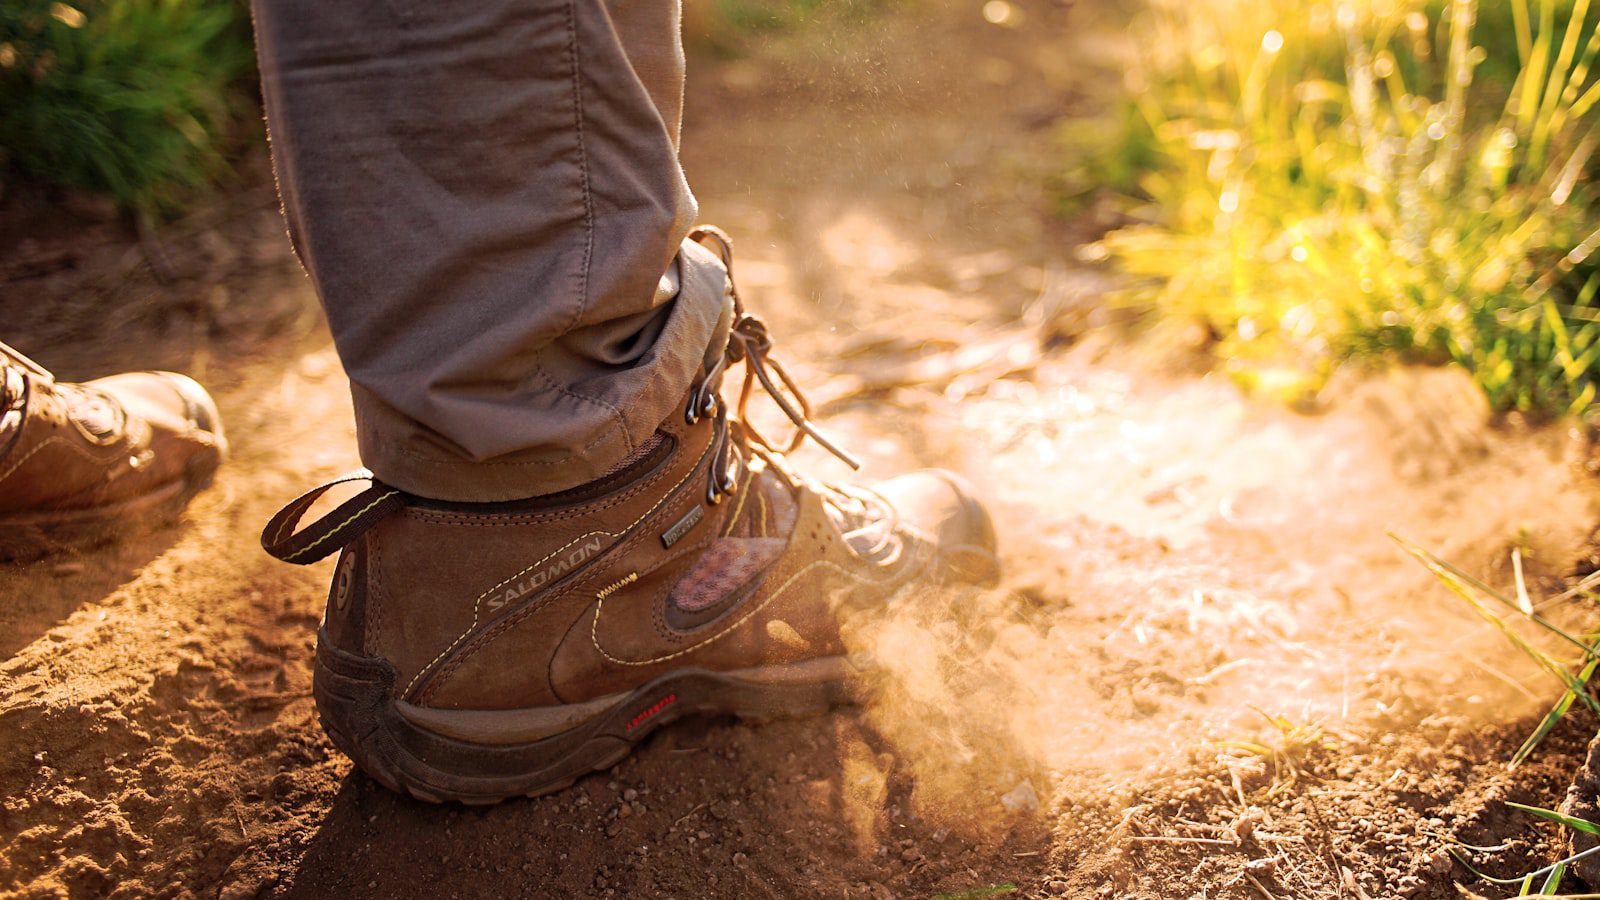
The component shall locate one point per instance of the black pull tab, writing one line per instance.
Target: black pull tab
(334, 530)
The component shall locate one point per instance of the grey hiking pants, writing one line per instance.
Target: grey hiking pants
(488, 199)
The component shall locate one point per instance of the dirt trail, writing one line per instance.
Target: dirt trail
(1184, 561)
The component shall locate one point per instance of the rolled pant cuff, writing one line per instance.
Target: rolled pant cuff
(490, 481)
(583, 423)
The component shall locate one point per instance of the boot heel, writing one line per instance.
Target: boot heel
(351, 692)
(355, 701)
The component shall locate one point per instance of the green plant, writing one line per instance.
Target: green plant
(1544, 881)
(132, 98)
(1358, 179)
(1294, 742)
(1574, 675)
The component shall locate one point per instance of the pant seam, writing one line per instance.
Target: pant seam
(588, 219)
(583, 166)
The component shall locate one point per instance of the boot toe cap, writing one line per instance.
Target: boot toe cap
(199, 407)
(944, 506)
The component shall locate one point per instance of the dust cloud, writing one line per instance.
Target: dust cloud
(1155, 613)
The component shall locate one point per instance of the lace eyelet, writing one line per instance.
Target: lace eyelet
(729, 486)
(690, 417)
(712, 496)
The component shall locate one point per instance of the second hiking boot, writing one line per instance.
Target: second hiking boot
(82, 464)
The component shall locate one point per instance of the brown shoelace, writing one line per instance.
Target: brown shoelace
(750, 343)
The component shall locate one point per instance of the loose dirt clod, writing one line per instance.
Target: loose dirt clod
(1022, 798)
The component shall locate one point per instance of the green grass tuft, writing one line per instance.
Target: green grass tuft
(1574, 675)
(131, 98)
(1505, 613)
(1332, 181)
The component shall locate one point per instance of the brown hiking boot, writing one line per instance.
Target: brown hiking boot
(479, 651)
(81, 464)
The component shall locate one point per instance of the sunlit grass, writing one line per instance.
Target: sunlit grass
(1340, 180)
(136, 99)
(1575, 674)
(1504, 613)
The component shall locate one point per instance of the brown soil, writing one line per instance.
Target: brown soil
(1187, 566)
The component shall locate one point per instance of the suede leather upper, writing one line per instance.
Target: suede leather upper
(563, 602)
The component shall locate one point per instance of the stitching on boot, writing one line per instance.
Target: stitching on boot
(658, 611)
(448, 668)
(56, 439)
(477, 605)
(608, 591)
(744, 494)
(337, 528)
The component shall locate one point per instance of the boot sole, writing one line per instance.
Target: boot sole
(25, 537)
(354, 696)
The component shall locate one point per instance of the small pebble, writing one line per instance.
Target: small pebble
(1022, 798)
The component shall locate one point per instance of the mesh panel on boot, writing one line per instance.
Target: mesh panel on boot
(728, 563)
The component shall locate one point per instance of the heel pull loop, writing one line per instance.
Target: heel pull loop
(336, 529)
